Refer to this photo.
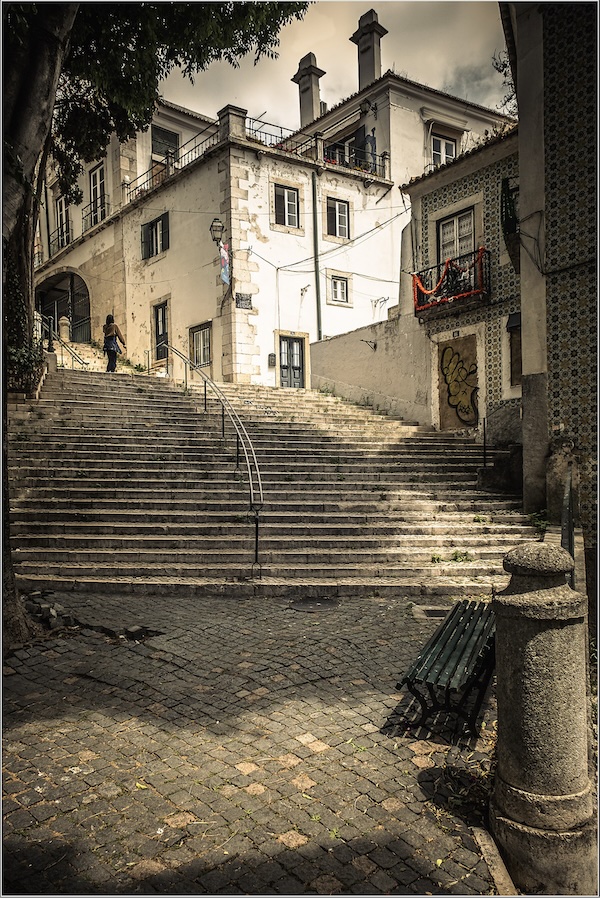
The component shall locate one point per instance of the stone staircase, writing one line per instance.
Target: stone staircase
(124, 483)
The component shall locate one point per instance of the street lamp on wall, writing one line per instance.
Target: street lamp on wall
(216, 230)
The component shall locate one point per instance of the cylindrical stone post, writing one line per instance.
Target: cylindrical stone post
(64, 329)
(542, 808)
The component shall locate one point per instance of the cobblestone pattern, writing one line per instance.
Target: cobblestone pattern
(247, 749)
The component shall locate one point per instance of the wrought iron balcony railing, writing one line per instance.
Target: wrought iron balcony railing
(160, 171)
(60, 238)
(272, 136)
(455, 279)
(95, 212)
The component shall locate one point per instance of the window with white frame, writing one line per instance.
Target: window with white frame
(63, 230)
(286, 206)
(200, 344)
(338, 218)
(155, 236)
(339, 289)
(443, 149)
(98, 205)
(456, 236)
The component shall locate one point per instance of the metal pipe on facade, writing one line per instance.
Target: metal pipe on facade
(316, 248)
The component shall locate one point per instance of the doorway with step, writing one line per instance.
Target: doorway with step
(291, 361)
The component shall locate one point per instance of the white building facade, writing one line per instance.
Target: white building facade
(312, 223)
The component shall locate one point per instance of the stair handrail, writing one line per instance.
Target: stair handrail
(47, 324)
(243, 439)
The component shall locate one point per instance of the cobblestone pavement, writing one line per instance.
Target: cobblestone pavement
(243, 747)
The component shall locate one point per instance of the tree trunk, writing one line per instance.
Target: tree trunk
(28, 101)
(35, 59)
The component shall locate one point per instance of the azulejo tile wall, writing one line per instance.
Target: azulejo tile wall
(570, 141)
(505, 283)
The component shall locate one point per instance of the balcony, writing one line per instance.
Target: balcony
(463, 280)
(95, 212)
(60, 238)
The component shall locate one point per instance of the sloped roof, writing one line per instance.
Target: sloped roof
(491, 141)
(412, 84)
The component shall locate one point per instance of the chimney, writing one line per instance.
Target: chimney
(368, 39)
(307, 79)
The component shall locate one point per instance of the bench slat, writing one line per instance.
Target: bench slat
(458, 658)
(449, 659)
(442, 634)
(479, 648)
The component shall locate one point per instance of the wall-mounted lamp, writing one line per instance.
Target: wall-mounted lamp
(367, 106)
(216, 230)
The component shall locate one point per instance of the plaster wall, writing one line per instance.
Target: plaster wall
(275, 265)
(186, 275)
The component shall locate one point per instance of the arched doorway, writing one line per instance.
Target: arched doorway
(66, 295)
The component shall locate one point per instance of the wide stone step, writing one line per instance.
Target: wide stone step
(316, 568)
(282, 587)
(445, 558)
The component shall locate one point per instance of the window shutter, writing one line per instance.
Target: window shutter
(165, 230)
(279, 205)
(145, 241)
(331, 217)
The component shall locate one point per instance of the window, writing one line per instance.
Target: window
(338, 218)
(63, 231)
(443, 149)
(155, 236)
(164, 142)
(514, 336)
(456, 236)
(339, 289)
(286, 206)
(200, 344)
(97, 195)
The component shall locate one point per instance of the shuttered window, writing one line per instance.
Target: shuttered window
(286, 206)
(338, 218)
(155, 236)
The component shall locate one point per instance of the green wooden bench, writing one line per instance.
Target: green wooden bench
(457, 660)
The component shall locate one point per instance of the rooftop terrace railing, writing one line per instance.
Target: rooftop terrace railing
(274, 137)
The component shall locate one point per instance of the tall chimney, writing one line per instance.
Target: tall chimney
(307, 79)
(368, 39)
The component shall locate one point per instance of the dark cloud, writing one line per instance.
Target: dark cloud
(445, 45)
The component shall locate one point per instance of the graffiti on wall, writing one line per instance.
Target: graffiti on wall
(460, 379)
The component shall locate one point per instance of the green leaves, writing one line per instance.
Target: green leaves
(120, 52)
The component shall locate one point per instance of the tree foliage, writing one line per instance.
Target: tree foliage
(501, 63)
(120, 52)
(75, 73)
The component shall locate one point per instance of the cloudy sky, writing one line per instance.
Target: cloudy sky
(446, 45)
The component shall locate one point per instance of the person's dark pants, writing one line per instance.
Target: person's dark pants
(112, 360)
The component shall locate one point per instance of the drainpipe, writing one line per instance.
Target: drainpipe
(316, 248)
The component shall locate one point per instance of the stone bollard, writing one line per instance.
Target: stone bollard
(542, 808)
(64, 329)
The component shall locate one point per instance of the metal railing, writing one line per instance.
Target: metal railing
(567, 522)
(355, 159)
(460, 278)
(95, 212)
(173, 162)
(60, 238)
(52, 337)
(244, 444)
(81, 331)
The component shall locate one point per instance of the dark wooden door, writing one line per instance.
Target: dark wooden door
(291, 362)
